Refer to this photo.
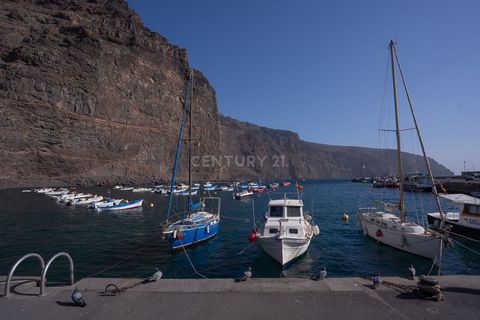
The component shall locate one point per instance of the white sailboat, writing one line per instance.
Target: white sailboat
(386, 227)
(287, 231)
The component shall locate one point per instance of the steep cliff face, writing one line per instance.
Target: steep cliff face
(88, 94)
(279, 153)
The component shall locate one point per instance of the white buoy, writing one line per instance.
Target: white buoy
(316, 230)
(151, 205)
(345, 217)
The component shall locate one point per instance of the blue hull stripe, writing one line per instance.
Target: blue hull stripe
(194, 235)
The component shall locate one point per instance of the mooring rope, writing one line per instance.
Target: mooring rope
(147, 243)
(190, 261)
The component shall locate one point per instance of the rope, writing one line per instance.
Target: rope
(431, 268)
(465, 237)
(147, 243)
(190, 261)
(243, 250)
(461, 244)
(460, 258)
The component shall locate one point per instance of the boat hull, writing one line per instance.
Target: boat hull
(418, 244)
(194, 235)
(454, 226)
(121, 206)
(284, 250)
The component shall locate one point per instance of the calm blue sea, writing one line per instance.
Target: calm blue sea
(31, 222)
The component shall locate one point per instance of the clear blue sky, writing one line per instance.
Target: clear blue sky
(318, 67)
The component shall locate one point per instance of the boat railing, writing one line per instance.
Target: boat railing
(43, 271)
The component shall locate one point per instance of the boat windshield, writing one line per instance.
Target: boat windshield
(293, 212)
(471, 209)
(276, 211)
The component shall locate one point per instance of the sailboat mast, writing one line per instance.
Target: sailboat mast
(190, 141)
(399, 151)
(424, 152)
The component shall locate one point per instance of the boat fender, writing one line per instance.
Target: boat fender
(177, 235)
(208, 228)
(252, 236)
(379, 233)
(316, 230)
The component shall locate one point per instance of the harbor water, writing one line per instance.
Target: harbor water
(128, 244)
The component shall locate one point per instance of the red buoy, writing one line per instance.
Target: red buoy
(379, 233)
(252, 236)
(179, 235)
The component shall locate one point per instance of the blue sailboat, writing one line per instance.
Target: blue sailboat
(202, 219)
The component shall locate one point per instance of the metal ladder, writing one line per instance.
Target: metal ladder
(44, 269)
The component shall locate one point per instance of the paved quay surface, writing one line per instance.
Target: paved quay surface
(284, 298)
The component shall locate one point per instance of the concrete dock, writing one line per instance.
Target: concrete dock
(283, 298)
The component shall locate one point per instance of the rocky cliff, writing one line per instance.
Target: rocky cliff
(90, 95)
(280, 153)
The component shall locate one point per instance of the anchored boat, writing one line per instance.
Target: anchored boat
(121, 205)
(386, 227)
(465, 221)
(287, 231)
(202, 219)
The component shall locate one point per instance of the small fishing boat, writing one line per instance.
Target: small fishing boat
(141, 189)
(84, 201)
(209, 188)
(43, 190)
(104, 203)
(274, 185)
(258, 189)
(417, 182)
(287, 231)
(186, 193)
(70, 197)
(242, 194)
(122, 205)
(56, 192)
(286, 183)
(126, 189)
(465, 221)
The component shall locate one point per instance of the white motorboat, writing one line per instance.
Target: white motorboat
(141, 189)
(122, 205)
(56, 192)
(86, 201)
(464, 221)
(69, 197)
(242, 194)
(385, 227)
(287, 231)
